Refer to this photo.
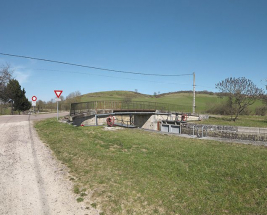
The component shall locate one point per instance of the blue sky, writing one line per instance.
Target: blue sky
(216, 39)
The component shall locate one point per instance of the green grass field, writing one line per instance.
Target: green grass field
(137, 172)
(185, 100)
(243, 120)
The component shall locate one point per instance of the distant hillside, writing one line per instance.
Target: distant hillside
(112, 95)
(184, 99)
(204, 99)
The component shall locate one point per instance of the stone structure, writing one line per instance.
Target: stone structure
(230, 132)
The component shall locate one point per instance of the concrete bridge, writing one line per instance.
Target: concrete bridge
(122, 106)
(148, 115)
(156, 116)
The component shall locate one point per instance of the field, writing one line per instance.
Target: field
(243, 120)
(138, 172)
(184, 99)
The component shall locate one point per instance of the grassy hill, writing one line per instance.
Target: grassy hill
(204, 100)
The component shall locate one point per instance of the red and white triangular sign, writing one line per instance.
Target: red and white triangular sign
(58, 92)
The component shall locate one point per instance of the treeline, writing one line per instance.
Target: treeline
(63, 105)
(187, 91)
(11, 94)
(13, 98)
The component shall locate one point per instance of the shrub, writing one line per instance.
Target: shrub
(221, 108)
(261, 111)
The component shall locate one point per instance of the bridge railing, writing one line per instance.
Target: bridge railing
(85, 107)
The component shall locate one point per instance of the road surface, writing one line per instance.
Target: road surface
(32, 181)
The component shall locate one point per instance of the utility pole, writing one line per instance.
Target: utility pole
(194, 93)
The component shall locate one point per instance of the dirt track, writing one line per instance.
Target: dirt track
(32, 181)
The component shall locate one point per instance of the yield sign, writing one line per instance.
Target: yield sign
(58, 92)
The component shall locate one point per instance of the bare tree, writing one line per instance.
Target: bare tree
(73, 97)
(74, 94)
(241, 93)
(41, 105)
(5, 77)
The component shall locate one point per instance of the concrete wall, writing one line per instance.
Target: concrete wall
(252, 130)
(239, 129)
(88, 120)
(213, 127)
(92, 121)
(240, 136)
(151, 121)
(101, 120)
(142, 121)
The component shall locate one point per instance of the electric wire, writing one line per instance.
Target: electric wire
(91, 67)
(205, 86)
(134, 79)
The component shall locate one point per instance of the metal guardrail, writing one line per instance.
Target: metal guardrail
(85, 107)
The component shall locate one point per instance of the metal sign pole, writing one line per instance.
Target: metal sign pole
(57, 110)
(58, 93)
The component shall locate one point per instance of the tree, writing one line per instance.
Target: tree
(40, 105)
(241, 93)
(73, 95)
(127, 100)
(17, 96)
(5, 77)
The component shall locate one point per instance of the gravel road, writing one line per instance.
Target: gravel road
(32, 181)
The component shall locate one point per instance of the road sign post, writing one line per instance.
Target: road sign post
(34, 99)
(58, 93)
(57, 110)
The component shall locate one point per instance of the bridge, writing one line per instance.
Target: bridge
(148, 115)
(95, 107)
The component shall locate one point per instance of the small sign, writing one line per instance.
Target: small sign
(57, 99)
(33, 103)
(34, 98)
(58, 92)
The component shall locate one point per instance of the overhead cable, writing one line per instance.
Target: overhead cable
(90, 67)
(134, 79)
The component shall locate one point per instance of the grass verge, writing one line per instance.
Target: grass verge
(247, 121)
(136, 172)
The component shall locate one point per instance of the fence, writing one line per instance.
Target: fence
(195, 130)
(229, 132)
(85, 107)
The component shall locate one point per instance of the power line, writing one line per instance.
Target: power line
(108, 76)
(90, 67)
(206, 86)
